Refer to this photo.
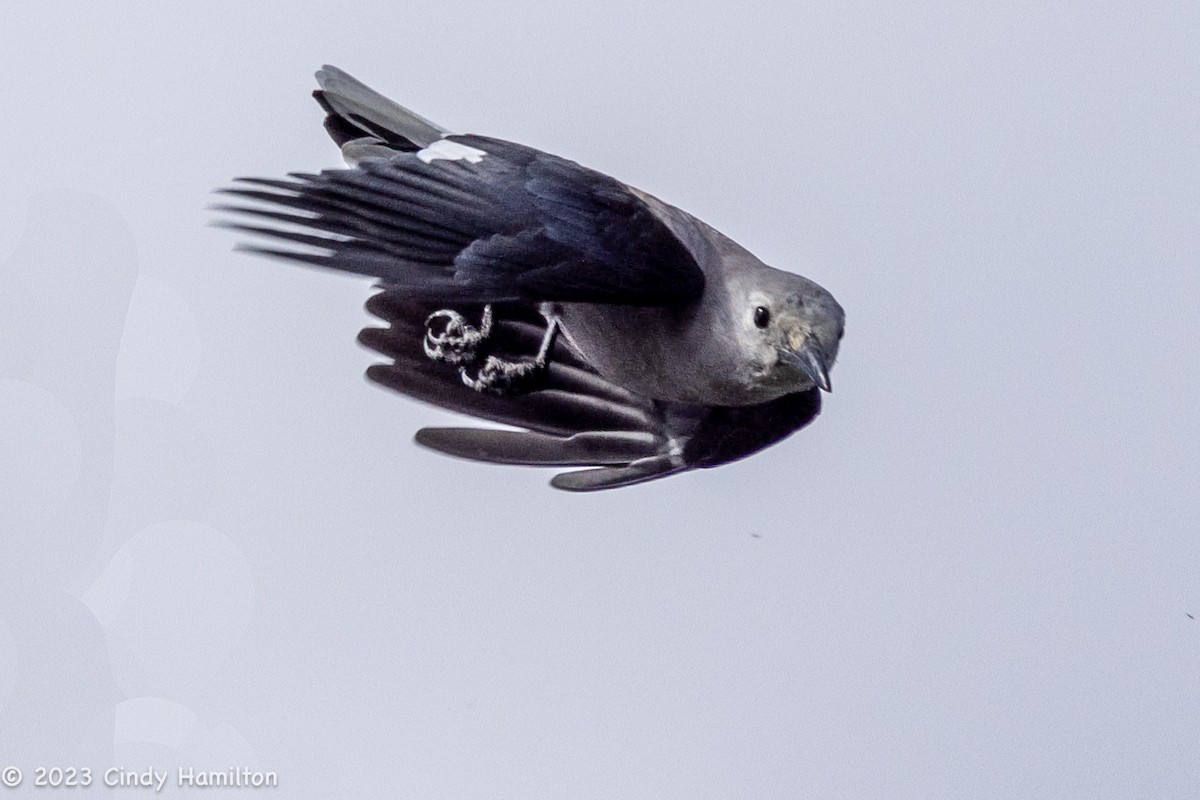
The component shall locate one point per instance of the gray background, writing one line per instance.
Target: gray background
(970, 578)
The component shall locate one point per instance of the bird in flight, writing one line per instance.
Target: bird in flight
(612, 331)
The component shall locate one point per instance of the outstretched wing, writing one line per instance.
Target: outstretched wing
(578, 419)
(471, 219)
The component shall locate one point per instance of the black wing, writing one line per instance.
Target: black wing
(472, 219)
(578, 419)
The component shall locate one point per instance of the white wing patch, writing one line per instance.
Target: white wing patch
(451, 151)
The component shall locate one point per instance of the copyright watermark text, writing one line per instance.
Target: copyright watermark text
(153, 779)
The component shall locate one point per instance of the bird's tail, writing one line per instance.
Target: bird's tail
(357, 112)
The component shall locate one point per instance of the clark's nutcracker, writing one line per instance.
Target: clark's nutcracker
(680, 349)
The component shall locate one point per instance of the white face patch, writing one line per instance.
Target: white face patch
(451, 151)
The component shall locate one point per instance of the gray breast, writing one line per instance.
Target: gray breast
(684, 355)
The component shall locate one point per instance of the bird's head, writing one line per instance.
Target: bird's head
(793, 327)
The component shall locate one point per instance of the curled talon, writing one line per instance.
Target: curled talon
(450, 339)
(506, 378)
(519, 376)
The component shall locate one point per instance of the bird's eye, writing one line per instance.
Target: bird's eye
(761, 316)
(841, 333)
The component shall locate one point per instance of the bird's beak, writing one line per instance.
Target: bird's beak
(806, 359)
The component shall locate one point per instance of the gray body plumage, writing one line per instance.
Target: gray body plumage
(681, 348)
(691, 353)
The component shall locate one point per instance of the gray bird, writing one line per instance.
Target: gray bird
(615, 331)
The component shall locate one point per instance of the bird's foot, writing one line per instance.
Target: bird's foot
(450, 339)
(507, 378)
(519, 376)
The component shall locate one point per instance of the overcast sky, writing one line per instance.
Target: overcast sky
(972, 577)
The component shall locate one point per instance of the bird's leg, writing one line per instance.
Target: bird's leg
(507, 378)
(451, 340)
